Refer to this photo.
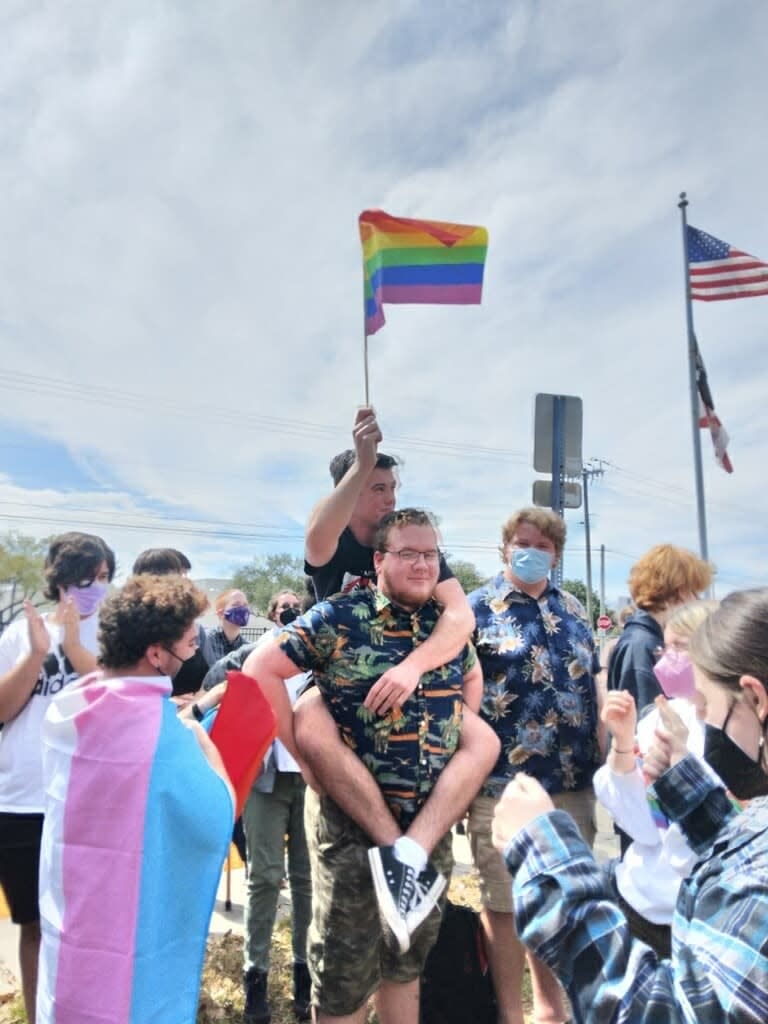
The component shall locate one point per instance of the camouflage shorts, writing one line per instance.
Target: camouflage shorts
(347, 955)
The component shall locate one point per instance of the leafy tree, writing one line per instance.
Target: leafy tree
(21, 572)
(263, 577)
(467, 574)
(579, 591)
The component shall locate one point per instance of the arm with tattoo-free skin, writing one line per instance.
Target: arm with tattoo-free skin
(333, 514)
(16, 685)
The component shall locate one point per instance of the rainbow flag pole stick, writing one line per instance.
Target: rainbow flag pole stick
(417, 261)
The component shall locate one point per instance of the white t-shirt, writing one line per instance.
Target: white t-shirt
(21, 779)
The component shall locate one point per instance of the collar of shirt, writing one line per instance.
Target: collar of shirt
(506, 589)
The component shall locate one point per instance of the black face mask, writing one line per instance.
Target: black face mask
(287, 615)
(744, 777)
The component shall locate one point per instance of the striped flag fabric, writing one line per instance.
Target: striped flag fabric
(718, 271)
(137, 826)
(707, 417)
(421, 261)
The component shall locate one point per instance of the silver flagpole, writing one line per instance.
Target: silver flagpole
(701, 512)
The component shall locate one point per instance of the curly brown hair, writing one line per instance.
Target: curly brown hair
(147, 610)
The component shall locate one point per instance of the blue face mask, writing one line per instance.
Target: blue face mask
(530, 565)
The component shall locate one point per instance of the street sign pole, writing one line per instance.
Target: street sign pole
(588, 538)
(558, 467)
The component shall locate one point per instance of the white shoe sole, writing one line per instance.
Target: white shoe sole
(392, 921)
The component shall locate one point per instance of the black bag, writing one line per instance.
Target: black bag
(456, 986)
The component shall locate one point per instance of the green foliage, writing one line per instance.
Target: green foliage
(21, 572)
(467, 574)
(263, 577)
(579, 591)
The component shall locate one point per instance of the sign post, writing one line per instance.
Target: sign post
(557, 450)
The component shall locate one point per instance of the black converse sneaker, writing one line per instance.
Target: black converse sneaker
(429, 885)
(405, 899)
(395, 884)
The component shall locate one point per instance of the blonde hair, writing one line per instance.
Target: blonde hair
(686, 619)
(665, 575)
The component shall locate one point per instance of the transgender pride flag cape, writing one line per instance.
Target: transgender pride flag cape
(137, 826)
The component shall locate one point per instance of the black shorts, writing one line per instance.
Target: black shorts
(20, 836)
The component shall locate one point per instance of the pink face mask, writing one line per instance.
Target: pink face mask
(675, 674)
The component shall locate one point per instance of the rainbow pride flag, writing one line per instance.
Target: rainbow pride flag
(137, 826)
(424, 261)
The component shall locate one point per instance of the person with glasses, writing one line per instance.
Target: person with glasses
(565, 905)
(538, 659)
(385, 840)
(658, 857)
(661, 580)
(338, 553)
(664, 578)
(40, 655)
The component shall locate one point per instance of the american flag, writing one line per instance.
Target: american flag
(707, 417)
(718, 271)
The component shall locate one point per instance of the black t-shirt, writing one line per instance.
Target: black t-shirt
(351, 563)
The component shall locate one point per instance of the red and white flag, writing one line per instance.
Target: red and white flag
(708, 418)
(718, 271)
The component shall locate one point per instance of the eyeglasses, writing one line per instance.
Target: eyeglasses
(412, 556)
(676, 647)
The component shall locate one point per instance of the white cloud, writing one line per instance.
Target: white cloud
(180, 243)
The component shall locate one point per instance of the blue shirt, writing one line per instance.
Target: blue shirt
(538, 660)
(565, 912)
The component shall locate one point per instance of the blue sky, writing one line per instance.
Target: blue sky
(180, 279)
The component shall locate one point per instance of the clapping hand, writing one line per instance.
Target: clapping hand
(619, 716)
(39, 640)
(670, 742)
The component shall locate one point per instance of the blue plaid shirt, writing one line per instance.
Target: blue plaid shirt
(538, 660)
(565, 912)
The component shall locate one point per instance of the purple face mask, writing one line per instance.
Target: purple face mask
(87, 599)
(238, 615)
(675, 674)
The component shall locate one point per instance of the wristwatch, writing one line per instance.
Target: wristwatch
(197, 713)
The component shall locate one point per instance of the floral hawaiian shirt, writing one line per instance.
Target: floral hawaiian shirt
(348, 642)
(538, 660)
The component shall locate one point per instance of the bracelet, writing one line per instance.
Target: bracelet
(197, 713)
(617, 751)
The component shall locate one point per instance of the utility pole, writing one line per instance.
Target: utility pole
(602, 579)
(595, 467)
